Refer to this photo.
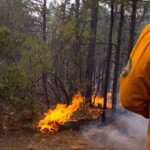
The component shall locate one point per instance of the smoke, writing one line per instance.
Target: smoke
(127, 132)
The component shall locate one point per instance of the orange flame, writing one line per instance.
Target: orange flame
(62, 113)
(98, 100)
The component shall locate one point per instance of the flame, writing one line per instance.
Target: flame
(62, 113)
(98, 100)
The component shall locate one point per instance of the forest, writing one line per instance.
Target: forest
(60, 63)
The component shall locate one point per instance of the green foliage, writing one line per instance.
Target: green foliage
(18, 80)
(5, 40)
(10, 45)
(35, 58)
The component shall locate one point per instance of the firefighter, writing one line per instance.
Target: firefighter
(135, 79)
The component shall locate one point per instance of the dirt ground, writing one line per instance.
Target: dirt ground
(114, 137)
(25, 140)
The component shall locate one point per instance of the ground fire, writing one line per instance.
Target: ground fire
(62, 113)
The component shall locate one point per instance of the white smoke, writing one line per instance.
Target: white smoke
(128, 132)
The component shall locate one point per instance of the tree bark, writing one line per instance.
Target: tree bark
(44, 74)
(107, 71)
(64, 6)
(78, 42)
(133, 25)
(117, 57)
(91, 50)
(44, 20)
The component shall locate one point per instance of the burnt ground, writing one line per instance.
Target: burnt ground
(126, 133)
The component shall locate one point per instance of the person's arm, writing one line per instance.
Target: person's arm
(135, 79)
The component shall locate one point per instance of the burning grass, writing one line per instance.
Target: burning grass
(76, 111)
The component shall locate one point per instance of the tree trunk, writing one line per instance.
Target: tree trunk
(64, 6)
(107, 71)
(44, 20)
(117, 57)
(133, 25)
(78, 42)
(91, 50)
(44, 74)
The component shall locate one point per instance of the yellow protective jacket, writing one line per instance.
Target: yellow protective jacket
(135, 79)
